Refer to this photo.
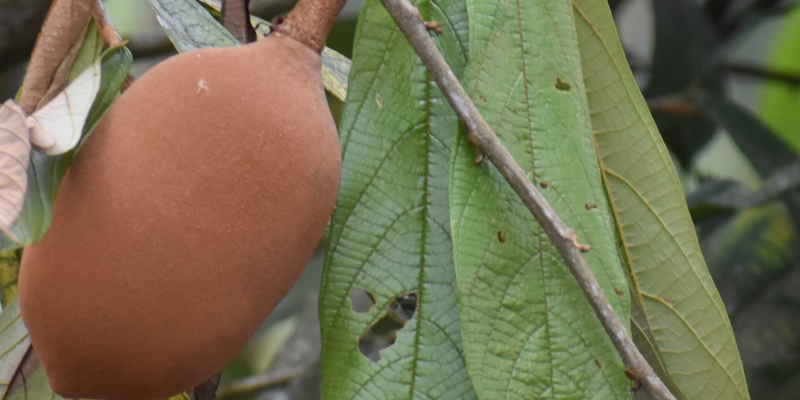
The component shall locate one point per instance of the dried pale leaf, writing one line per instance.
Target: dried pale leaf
(16, 148)
(57, 127)
(236, 19)
(64, 26)
(61, 77)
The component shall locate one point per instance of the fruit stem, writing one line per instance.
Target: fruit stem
(310, 21)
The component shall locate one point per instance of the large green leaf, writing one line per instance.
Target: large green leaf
(527, 327)
(683, 313)
(390, 233)
(45, 172)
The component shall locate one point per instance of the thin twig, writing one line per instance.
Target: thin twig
(564, 239)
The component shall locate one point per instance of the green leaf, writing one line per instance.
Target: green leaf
(528, 330)
(684, 313)
(45, 172)
(190, 26)
(117, 63)
(9, 275)
(390, 233)
(779, 102)
(14, 345)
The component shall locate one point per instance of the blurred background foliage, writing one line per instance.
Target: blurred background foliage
(722, 78)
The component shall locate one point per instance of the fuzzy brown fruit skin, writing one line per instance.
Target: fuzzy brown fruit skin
(183, 221)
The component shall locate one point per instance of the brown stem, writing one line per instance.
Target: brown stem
(310, 22)
(479, 133)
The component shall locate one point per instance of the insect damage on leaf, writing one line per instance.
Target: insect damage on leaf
(383, 334)
(361, 300)
(563, 85)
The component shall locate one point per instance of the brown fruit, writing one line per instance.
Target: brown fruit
(186, 217)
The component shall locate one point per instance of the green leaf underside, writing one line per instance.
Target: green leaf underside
(684, 314)
(390, 233)
(527, 327)
(14, 344)
(45, 172)
(190, 26)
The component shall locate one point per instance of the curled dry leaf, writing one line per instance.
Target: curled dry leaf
(62, 31)
(16, 148)
(57, 127)
(236, 19)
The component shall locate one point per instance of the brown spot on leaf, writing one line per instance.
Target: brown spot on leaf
(544, 184)
(598, 364)
(620, 293)
(501, 237)
(590, 206)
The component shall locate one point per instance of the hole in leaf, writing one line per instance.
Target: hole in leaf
(563, 85)
(383, 334)
(361, 300)
(544, 184)
(501, 237)
(590, 206)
